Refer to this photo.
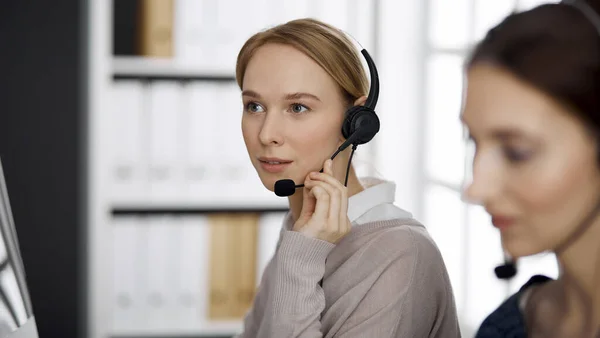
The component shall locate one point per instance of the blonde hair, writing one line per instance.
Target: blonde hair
(325, 44)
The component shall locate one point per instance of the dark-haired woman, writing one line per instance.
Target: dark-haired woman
(532, 108)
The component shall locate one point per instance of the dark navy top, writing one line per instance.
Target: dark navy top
(507, 320)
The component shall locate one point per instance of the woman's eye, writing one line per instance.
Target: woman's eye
(299, 108)
(516, 155)
(254, 107)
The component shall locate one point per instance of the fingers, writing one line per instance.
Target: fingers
(340, 194)
(328, 167)
(337, 196)
(327, 175)
(342, 211)
(334, 198)
(328, 198)
(322, 201)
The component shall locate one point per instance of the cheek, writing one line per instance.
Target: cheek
(556, 198)
(556, 180)
(550, 186)
(249, 131)
(315, 142)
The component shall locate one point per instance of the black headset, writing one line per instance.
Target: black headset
(360, 125)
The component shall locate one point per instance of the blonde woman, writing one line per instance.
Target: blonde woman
(349, 263)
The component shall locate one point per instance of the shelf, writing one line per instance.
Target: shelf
(170, 335)
(143, 68)
(186, 210)
(206, 330)
(182, 206)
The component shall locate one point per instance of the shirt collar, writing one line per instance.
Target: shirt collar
(376, 191)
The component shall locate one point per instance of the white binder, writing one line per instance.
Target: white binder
(127, 128)
(127, 306)
(203, 141)
(165, 142)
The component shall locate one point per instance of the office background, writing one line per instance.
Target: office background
(137, 210)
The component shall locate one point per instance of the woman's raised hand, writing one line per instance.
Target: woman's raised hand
(324, 212)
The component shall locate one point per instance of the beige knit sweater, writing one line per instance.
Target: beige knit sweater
(384, 279)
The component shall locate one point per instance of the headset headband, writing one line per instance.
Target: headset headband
(586, 10)
(373, 96)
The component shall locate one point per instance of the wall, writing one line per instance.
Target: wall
(40, 146)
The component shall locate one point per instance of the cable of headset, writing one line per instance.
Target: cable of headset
(354, 146)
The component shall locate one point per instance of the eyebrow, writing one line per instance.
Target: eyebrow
(251, 93)
(296, 96)
(291, 96)
(501, 133)
(508, 134)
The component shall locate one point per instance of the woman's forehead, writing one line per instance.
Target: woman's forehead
(496, 99)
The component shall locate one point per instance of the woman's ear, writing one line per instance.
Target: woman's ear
(360, 101)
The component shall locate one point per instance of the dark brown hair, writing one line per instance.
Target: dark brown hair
(553, 47)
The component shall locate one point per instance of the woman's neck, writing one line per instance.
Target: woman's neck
(354, 187)
(579, 281)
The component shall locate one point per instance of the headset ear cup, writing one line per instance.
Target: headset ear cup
(360, 120)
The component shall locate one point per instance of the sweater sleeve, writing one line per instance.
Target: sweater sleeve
(297, 299)
(254, 316)
(404, 293)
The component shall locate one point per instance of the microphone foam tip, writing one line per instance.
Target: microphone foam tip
(285, 188)
(506, 271)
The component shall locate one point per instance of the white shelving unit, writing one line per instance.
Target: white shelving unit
(396, 36)
(208, 329)
(99, 66)
(105, 69)
(156, 67)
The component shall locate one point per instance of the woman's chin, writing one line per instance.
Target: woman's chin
(268, 182)
(521, 248)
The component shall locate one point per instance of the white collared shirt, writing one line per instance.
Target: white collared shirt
(375, 202)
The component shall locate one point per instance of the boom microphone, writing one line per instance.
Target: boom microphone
(507, 270)
(287, 187)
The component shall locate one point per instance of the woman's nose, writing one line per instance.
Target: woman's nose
(271, 130)
(485, 182)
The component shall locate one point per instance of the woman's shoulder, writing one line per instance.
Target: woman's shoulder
(408, 236)
(396, 233)
(507, 320)
(402, 244)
